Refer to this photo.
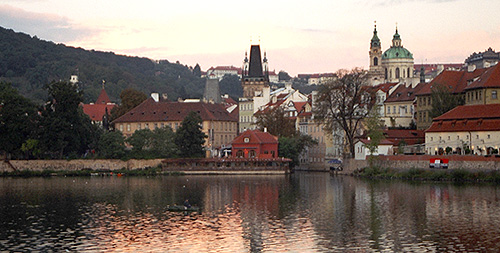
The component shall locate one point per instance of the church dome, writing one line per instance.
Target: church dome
(397, 53)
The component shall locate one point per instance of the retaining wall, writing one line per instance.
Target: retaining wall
(403, 162)
(79, 164)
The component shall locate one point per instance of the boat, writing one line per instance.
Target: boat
(178, 208)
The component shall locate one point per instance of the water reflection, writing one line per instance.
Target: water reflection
(301, 212)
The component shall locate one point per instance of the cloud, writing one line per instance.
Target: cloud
(45, 26)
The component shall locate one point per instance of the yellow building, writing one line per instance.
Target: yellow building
(218, 124)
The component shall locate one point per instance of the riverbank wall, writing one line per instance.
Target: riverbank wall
(406, 162)
(77, 164)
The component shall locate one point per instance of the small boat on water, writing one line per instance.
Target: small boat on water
(180, 208)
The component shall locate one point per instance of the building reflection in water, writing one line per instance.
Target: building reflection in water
(300, 212)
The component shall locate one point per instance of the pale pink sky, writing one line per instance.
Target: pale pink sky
(299, 36)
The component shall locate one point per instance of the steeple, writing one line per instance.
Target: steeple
(255, 69)
(396, 39)
(375, 42)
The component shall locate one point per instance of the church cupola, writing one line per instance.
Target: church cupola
(396, 39)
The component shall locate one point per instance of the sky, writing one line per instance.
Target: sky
(314, 36)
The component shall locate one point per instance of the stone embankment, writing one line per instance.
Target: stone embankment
(405, 162)
(78, 164)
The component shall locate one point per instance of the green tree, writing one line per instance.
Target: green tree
(64, 129)
(197, 70)
(443, 100)
(291, 147)
(111, 145)
(130, 98)
(231, 85)
(276, 122)
(374, 126)
(141, 142)
(163, 143)
(17, 115)
(345, 102)
(189, 137)
(284, 76)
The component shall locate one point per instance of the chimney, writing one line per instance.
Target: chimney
(155, 96)
(471, 68)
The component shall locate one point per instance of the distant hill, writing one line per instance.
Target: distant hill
(30, 63)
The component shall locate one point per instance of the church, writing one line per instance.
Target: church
(394, 65)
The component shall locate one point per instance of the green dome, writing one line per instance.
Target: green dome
(397, 53)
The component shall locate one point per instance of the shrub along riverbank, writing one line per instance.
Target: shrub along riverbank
(456, 175)
(152, 171)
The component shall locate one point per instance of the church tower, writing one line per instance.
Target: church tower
(376, 71)
(254, 80)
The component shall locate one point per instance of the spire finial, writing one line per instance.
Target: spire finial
(103, 84)
(396, 27)
(375, 24)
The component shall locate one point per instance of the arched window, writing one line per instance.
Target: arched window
(408, 71)
(385, 73)
(251, 154)
(239, 153)
(397, 72)
(375, 61)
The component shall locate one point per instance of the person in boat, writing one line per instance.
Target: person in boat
(186, 204)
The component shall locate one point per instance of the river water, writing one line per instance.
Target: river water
(303, 212)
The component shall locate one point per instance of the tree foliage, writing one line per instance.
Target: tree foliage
(443, 100)
(130, 98)
(111, 145)
(345, 102)
(291, 147)
(231, 85)
(64, 129)
(276, 122)
(189, 137)
(374, 127)
(284, 76)
(17, 116)
(30, 63)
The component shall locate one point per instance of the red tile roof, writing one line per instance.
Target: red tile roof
(151, 111)
(382, 142)
(97, 111)
(410, 137)
(385, 87)
(103, 98)
(489, 79)
(456, 81)
(255, 137)
(468, 118)
(403, 93)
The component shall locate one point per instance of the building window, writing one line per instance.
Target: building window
(397, 72)
(488, 136)
(246, 140)
(388, 109)
(139, 126)
(494, 94)
(121, 127)
(375, 61)
(128, 127)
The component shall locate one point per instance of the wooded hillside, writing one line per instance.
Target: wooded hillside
(30, 63)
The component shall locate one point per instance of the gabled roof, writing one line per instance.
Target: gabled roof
(255, 137)
(455, 81)
(410, 137)
(151, 111)
(468, 118)
(489, 79)
(385, 87)
(97, 111)
(103, 98)
(403, 93)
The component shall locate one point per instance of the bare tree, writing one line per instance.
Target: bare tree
(345, 102)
